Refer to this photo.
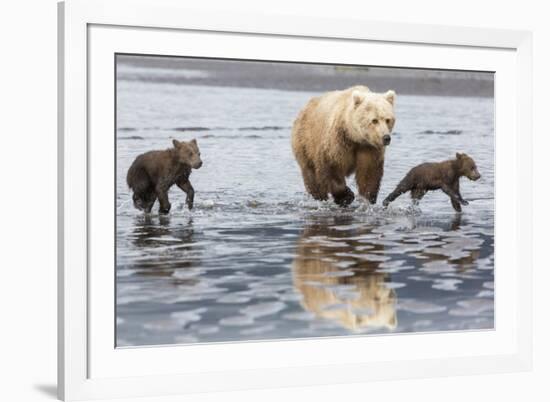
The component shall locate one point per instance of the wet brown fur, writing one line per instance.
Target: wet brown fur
(443, 176)
(153, 173)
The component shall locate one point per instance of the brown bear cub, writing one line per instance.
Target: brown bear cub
(153, 173)
(434, 176)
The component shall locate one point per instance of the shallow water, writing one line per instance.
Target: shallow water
(258, 259)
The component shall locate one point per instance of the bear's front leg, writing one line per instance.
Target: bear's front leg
(185, 186)
(455, 199)
(456, 205)
(162, 194)
(335, 182)
(456, 202)
(344, 198)
(456, 188)
(368, 173)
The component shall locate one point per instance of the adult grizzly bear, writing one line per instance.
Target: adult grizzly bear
(340, 133)
(153, 173)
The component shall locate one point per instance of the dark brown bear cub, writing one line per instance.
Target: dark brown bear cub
(434, 176)
(154, 172)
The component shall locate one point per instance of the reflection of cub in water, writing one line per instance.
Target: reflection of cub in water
(163, 246)
(337, 278)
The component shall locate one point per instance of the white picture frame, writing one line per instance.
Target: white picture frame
(90, 32)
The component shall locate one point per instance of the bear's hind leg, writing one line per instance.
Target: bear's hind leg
(400, 189)
(148, 201)
(162, 195)
(138, 201)
(417, 194)
(144, 201)
(311, 182)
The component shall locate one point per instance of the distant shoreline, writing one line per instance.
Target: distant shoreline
(302, 77)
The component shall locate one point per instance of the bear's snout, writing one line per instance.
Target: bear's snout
(474, 175)
(386, 139)
(198, 165)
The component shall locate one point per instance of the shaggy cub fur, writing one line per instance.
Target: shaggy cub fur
(154, 172)
(434, 176)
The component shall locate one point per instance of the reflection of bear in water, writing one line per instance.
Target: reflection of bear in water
(355, 297)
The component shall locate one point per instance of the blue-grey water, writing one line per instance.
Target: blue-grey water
(259, 259)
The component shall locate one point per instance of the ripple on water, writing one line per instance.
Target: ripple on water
(185, 339)
(205, 329)
(299, 316)
(446, 284)
(395, 285)
(338, 274)
(263, 309)
(485, 264)
(183, 318)
(486, 293)
(187, 273)
(258, 330)
(197, 292)
(420, 324)
(162, 325)
(343, 264)
(346, 293)
(419, 307)
(234, 298)
(237, 321)
(437, 267)
(472, 307)
(456, 247)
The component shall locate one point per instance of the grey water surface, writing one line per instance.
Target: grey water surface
(257, 258)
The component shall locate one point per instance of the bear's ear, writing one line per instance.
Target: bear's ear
(357, 98)
(390, 96)
(194, 141)
(459, 155)
(176, 143)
